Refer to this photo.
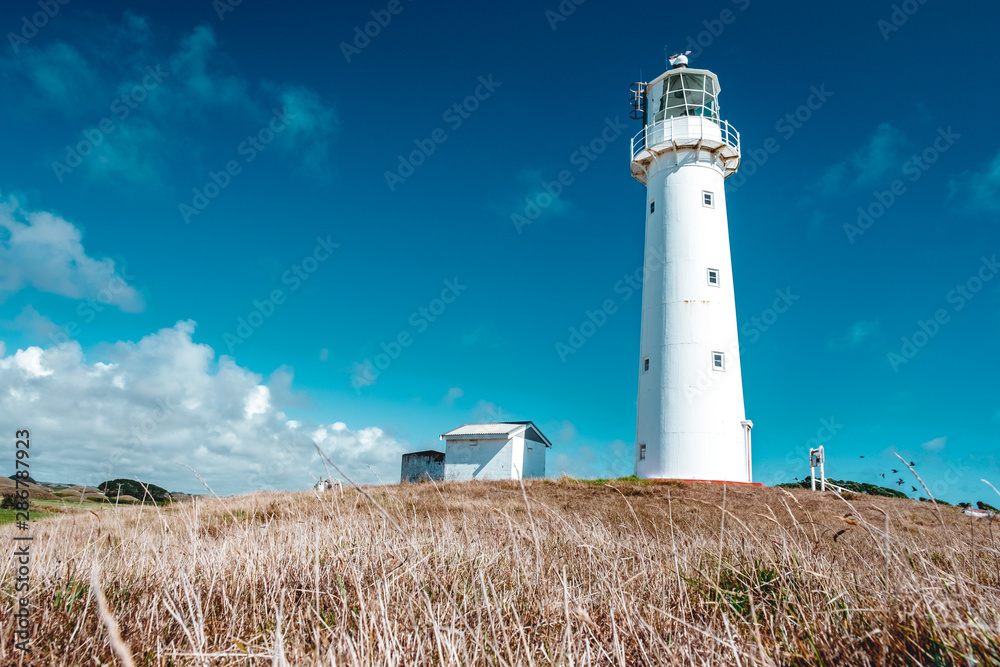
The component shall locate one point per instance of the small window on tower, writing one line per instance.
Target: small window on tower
(642, 451)
(645, 364)
(718, 361)
(707, 199)
(652, 206)
(713, 277)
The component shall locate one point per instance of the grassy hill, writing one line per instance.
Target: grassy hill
(117, 488)
(563, 572)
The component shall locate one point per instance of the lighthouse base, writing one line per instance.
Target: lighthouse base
(705, 481)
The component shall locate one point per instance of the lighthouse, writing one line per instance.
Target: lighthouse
(690, 421)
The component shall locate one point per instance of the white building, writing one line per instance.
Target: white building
(690, 421)
(504, 450)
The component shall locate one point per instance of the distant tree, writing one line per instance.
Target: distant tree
(130, 487)
(965, 506)
(986, 506)
(855, 487)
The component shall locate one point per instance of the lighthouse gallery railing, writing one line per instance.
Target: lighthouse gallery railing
(687, 131)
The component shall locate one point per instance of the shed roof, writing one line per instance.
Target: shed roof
(508, 429)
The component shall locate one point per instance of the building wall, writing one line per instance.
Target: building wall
(534, 459)
(417, 468)
(489, 459)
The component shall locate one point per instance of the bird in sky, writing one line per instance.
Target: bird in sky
(912, 463)
(862, 456)
(899, 482)
(883, 475)
(913, 488)
(894, 471)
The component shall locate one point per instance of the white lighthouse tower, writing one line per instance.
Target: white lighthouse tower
(691, 422)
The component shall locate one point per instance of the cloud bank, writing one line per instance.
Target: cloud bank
(144, 405)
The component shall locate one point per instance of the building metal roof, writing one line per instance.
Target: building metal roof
(507, 429)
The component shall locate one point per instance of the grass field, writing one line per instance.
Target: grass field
(563, 572)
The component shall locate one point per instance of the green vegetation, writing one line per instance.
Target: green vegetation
(986, 506)
(130, 487)
(10, 516)
(854, 487)
(630, 478)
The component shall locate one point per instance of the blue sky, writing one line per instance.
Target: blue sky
(263, 158)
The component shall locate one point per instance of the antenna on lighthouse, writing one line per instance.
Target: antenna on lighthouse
(677, 60)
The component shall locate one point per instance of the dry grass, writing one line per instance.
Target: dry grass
(480, 573)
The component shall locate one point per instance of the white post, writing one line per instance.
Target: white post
(817, 459)
(747, 425)
(822, 468)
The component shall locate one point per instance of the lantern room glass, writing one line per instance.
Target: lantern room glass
(688, 94)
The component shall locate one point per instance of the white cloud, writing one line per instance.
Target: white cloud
(858, 333)
(488, 412)
(482, 336)
(611, 460)
(978, 191)
(42, 250)
(871, 163)
(165, 398)
(134, 154)
(31, 321)
(935, 445)
(198, 71)
(55, 75)
(171, 116)
(453, 394)
(567, 433)
(311, 127)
